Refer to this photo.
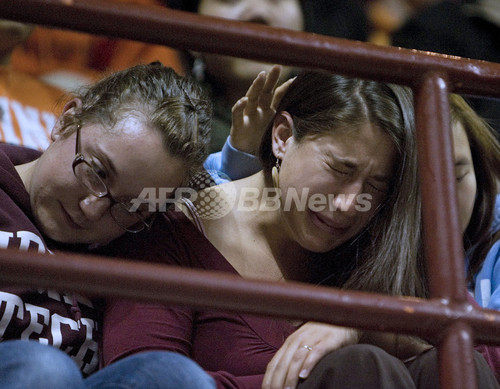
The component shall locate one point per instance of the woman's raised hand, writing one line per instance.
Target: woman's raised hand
(252, 113)
(302, 351)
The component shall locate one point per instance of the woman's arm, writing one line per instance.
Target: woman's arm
(250, 117)
(131, 327)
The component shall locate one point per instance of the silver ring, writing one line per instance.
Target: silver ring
(307, 347)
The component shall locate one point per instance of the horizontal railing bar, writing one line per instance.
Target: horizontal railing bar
(183, 30)
(108, 277)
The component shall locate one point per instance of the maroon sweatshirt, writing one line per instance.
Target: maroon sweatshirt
(63, 320)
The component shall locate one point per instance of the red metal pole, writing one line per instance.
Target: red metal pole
(144, 281)
(188, 31)
(442, 233)
(457, 369)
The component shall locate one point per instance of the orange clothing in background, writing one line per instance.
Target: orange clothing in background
(28, 109)
(49, 51)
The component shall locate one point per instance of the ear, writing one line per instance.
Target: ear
(70, 108)
(282, 133)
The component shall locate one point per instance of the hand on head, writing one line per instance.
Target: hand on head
(252, 113)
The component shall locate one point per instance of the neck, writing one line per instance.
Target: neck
(25, 171)
(269, 227)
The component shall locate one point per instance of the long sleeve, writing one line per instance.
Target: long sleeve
(131, 327)
(490, 353)
(233, 348)
(487, 289)
(487, 280)
(232, 162)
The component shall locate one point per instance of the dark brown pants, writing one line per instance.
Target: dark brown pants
(363, 366)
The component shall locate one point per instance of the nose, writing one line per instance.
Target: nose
(94, 207)
(257, 11)
(346, 198)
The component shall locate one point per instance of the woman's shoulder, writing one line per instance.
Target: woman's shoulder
(167, 241)
(210, 205)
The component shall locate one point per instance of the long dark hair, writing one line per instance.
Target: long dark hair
(386, 256)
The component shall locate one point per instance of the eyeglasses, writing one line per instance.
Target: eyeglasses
(123, 212)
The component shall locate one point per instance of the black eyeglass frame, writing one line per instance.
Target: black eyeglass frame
(79, 158)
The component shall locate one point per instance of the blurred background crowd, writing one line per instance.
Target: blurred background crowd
(59, 60)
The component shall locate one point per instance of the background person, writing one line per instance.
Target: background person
(477, 164)
(469, 29)
(227, 78)
(28, 105)
(69, 59)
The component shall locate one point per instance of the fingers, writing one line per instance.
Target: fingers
(253, 93)
(238, 113)
(298, 365)
(272, 79)
(289, 365)
(252, 114)
(260, 94)
(266, 97)
(302, 350)
(280, 92)
(277, 369)
(312, 358)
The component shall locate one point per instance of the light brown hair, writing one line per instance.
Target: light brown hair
(166, 102)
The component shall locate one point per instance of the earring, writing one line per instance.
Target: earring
(275, 173)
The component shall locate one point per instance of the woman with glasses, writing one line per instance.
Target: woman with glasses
(144, 127)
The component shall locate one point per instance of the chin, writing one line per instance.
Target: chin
(320, 246)
(63, 237)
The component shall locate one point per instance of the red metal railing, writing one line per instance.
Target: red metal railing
(446, 317)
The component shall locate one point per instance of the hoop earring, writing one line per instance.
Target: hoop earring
(275, 173)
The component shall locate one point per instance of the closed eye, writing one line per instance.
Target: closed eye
(378, 189)
(342, 173)
(461, 177)
(338, 171)
(462, 168)
(99, 170)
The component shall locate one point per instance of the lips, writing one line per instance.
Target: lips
(329, 225)
(70, 220)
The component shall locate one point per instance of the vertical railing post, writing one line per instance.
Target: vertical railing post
(457, 368)
(442, 235)
(442, 232)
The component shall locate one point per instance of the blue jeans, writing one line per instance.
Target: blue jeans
(29, 364)
(152, 370)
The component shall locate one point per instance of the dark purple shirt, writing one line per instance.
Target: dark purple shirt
(234, 348)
